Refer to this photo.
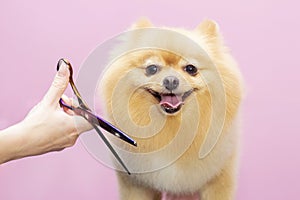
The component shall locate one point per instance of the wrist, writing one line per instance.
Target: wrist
(28, 140)
(11, 143)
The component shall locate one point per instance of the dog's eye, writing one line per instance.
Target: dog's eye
(191, 70)
(151, 70)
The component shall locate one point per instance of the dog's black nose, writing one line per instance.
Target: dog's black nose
(171, 82)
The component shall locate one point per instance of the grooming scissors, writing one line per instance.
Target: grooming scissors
(84, 111)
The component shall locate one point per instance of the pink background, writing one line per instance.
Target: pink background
(263, 36)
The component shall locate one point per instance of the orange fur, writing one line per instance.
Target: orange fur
(128, 103)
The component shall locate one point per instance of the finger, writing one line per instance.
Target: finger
(68, 111)
(69, 102)
(58, 85)
(82, 125)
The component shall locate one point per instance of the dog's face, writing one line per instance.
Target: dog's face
(163, 79)
(147, 86)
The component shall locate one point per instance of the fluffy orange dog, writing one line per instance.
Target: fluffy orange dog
(181, 105)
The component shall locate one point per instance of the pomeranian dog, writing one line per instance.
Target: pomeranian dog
(180, 102)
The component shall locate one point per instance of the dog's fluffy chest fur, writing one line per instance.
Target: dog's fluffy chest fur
(188, 174)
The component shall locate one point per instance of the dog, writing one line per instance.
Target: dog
(180, 102)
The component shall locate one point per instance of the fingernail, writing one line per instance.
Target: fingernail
(62, 60)
(62, 68)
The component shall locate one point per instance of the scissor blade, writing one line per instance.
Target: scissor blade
(111, 148)
(106, 126)
(115, 131)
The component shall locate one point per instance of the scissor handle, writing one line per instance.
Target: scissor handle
(84, 111)
(81, 102)
(93, 119)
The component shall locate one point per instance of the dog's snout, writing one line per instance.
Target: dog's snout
(171, 82)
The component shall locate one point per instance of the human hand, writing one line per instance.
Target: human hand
(47, 126)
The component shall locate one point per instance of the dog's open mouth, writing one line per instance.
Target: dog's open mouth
(170, 102)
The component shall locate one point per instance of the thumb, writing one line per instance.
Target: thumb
(58, 85)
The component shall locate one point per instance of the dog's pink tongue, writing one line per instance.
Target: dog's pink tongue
(170, 100)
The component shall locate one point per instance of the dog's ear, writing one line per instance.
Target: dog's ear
(142, 23)
(209, 28)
